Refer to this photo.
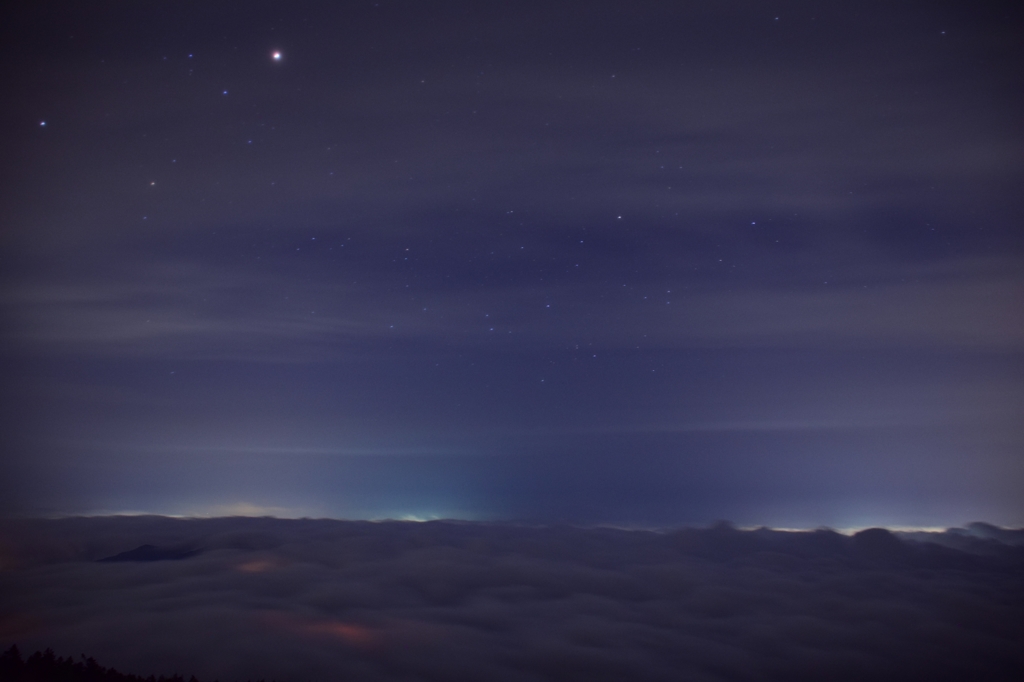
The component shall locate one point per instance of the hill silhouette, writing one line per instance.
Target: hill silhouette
(45, 666)
(152, 553)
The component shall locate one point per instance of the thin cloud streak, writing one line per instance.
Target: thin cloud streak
(260, 325)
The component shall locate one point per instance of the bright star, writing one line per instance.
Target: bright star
(276, 56)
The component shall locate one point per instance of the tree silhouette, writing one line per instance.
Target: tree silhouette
(45, 666)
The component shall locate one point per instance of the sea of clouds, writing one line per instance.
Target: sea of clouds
(306, 600)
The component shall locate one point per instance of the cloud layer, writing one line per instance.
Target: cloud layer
(319, 599)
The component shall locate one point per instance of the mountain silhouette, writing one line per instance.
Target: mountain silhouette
(153, 553)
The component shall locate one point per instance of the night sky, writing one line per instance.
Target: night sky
(640, 264)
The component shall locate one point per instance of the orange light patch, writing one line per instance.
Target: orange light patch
(18, 625)
(349, 633)
(257, 566)
(356, 635)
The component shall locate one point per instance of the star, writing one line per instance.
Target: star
(276, 56)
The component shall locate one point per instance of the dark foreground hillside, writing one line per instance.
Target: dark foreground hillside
(306, 600)
(45, 666)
